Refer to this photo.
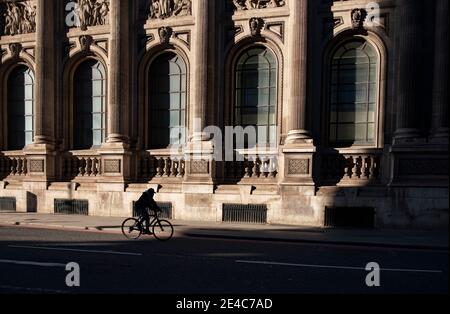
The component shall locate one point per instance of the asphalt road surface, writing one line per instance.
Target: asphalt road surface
(34, 261)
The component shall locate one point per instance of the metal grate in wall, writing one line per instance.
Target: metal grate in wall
(71, 207)
(7, 204)
(166, 208)
(350, 217)
(253, 214)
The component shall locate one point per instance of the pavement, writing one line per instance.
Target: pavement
(392, 238)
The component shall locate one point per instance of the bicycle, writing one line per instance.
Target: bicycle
(133, 228)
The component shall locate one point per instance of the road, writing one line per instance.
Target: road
(33, 261)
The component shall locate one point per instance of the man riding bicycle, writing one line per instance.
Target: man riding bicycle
(145, 203)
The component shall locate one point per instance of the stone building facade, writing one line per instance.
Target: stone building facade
(351, 95)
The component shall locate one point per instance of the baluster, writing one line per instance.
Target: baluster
(247, 168)
(159, 167)
(273, 165)
(372, 167)
(173, 167)
(24, 166)
(13, 166)
(182, 167)
(256, 167)
(366, 166)
(166, 167)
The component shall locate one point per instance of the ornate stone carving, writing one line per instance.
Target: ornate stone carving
(256, 24)
(358, 18)
(92, 13)
(199, 167)
(112, 166)
(164, 34)
(162, 9)
(36, 166)
(298, 166)
(19, 18)
(15, 49)
(86, 42)
(241, 5)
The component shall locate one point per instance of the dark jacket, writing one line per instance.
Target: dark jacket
(146, 201)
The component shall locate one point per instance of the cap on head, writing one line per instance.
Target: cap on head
(151, 191)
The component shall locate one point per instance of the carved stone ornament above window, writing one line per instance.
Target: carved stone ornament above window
(256, 24)
(92, 13)
(242, 5)
(86, 42)
(162, 9)
(17, 17)
(164, 34)
(358, 18)
(15, 49)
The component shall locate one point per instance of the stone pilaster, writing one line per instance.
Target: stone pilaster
(200, 68)
(40, 155)
(119, 72)
(298, 53)
(115, 155)
(200, 164)
(299, 149)
(408, 16)
(441, 72)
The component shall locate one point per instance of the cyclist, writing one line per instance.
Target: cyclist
(145, 202)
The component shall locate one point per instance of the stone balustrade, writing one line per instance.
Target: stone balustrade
(159, 164)
(351, 167)
(82, 165)
(13, 164)
(252, 166)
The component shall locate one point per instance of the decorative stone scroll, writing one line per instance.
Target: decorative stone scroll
(18, 17)
(242, 5)
(162, 9)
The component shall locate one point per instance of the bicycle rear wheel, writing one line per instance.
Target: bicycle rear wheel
(131, 229)
(163, 230)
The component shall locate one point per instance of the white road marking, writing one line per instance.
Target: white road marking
(73, 250)
(7, 261)
(339, 267)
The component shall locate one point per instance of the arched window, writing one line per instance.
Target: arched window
(353, 95)
(256, 93)
(20, 108)
(167, 101)
(90, 99)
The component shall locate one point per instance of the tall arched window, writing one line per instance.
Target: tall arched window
(20, 108)
(167, 101)
(90, 99)
(256, 93)
(353, 94)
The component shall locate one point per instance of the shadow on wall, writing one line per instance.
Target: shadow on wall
(31, 203)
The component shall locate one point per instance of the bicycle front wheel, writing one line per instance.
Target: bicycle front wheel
(131, 229)
(163, 230)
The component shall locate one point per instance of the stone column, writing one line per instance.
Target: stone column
(118, 71)
(441, 72)
(200, 69)
(298, 152)
(200, 165)
(296, 120)
(45, 76)
(115, 154)
(408, 17)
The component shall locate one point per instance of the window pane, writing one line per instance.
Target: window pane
(89, 102)
(256, 93)
(167, 100)
(353, 93)
(20, 107)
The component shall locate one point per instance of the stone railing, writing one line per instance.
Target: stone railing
(161, 164)
(82, 164)
(252, 165)
(13, 164)
(351, 167)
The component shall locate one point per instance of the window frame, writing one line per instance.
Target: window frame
(240, 53)
(74, 108)
(379, 48)
(5, 112)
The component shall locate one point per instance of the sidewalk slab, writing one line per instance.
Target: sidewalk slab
(398, 238)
